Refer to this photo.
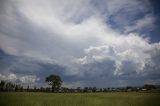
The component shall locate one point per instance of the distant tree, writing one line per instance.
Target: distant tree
(90, 89)
(65, 89)
(10, 86)
(21, 89)
(78, 89)
(2, 84)
(55, 81)
(16, 88)
(94, 89)
(28, 88)
(35, 88)
(71, 90)
(43, 89)
(101, 90)
(105, 90)
(85, 89)
(149, 87)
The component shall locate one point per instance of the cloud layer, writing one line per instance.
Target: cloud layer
(87, 42)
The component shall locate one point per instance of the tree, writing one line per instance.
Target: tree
(16, 88)
(94, 89)
(85, 89)
(2, 84)
(149, 87)
(10, 86)
(21, 89)
(35, 88)
(78, 89)
(28, 88)
(55, 81)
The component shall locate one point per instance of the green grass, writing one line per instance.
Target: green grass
(80, 99)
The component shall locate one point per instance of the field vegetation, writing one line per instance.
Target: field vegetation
(79, 99)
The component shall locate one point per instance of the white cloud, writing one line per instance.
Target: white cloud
(61, 32)
(146, 23)
(10, 77)
(28, 79)
(2, 77)
(127, 50)
(25, 79)
(75, 33)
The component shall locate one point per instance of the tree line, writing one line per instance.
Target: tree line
(55, 82)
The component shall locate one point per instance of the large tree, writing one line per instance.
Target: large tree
(55, 81)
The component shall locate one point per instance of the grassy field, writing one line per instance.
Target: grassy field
(80, 99)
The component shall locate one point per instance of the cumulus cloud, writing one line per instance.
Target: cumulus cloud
(10, 77)
(133, 56)
(29, 79)
(131, 47)
(26, 79)
(106, 39)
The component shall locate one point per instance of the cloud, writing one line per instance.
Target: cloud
(79, 40)
(10, 77)
(29, 79)
(26, 79)
(145, 23)
(132, 57)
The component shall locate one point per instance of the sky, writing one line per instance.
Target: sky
(102, 43)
